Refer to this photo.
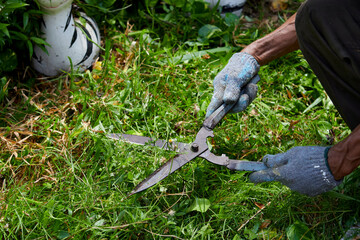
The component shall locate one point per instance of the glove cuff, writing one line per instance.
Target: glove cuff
(326, 159)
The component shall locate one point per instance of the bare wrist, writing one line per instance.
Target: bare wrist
(344, 157)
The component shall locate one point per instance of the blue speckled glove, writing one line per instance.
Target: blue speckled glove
(302, 169)
(232, 84)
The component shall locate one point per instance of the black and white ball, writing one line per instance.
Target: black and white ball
(228, 6)
(72, 44)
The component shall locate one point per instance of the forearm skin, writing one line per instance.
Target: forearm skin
(276, 44)
(344, 157)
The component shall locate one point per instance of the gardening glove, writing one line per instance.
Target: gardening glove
(302, 169)
(232, 84)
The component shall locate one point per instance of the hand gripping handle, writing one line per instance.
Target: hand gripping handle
(211, 122)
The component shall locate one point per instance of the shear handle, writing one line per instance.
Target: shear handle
(211, 122)
(237, 165)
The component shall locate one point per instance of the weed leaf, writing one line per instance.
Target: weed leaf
(200, 205)
(298, 231)
(207, 31)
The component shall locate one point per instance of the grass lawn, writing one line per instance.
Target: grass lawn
(62, 178)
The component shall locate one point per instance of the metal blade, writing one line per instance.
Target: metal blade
(198, 147)
(239, 165)
(141, 140)
(165, 170)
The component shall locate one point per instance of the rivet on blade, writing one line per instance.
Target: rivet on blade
(194, 147)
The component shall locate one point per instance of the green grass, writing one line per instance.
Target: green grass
(62, 178)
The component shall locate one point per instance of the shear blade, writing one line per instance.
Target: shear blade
(141, 140)
(165, 170)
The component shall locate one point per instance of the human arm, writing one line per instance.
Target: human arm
(344, 157)
(232, 83)
(276, 44)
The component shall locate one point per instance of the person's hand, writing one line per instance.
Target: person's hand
(302, 169)
(232, 84)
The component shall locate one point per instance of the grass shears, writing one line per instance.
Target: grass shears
(188, 152)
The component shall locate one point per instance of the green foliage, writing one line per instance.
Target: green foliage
(61, 177)
(3, 88)
(171, 21)
(298, 231)
(200, 205)
(19, 31)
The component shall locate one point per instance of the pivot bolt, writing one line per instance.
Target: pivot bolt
(194, 147)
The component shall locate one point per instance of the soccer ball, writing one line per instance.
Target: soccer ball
(228, 6)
